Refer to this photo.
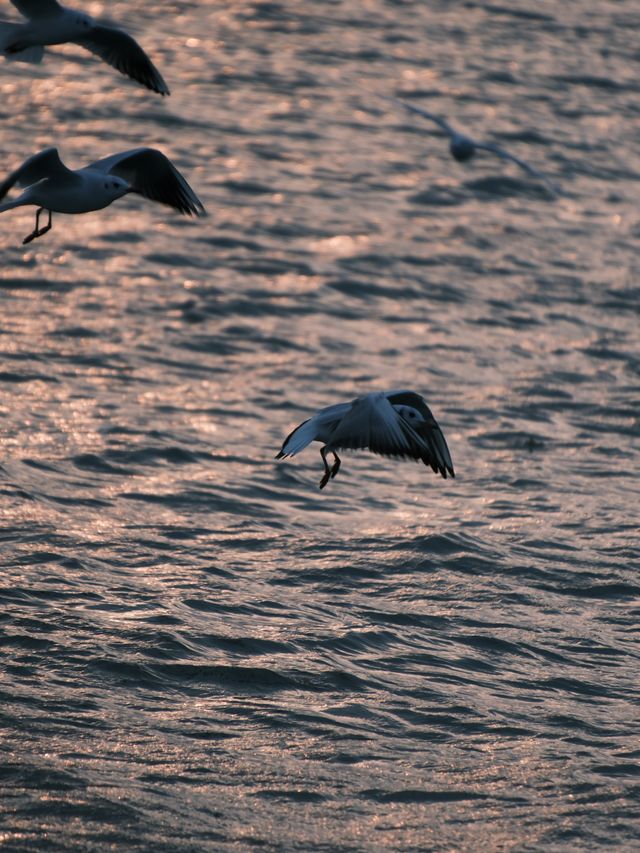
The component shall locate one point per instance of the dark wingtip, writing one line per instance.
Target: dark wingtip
(196, 209)
(444, 470)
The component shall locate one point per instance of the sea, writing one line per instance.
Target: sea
(200, 650)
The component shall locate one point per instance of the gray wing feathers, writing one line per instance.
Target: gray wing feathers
(373, 423)
(123, 53)
(45, 164)
(505, 155)
(154, 176)
(298, 439)
(425, 114)
(320, 427)
(36, 8)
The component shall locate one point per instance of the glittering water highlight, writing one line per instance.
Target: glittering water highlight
(201, 650)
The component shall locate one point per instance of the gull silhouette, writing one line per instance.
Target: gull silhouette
(391, 423)
(49, 23)
(53, 187)
(463, 147)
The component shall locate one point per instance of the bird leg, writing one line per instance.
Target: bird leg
(336, 464)
(15, 47)
(37, 231)
(327, 471)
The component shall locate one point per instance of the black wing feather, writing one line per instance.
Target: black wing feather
(122, 52)
(150, 173)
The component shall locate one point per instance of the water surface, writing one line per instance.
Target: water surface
(201, 650)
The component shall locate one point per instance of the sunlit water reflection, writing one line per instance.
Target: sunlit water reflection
(201, 651)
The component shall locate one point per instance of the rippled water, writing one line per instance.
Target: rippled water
(201, 650)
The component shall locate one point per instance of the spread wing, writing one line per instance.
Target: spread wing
(437, 455)
(504, 155)
(320, 427)
(297, 440)
(150, 173)
(373, 424)
(37, 8)
(45, 164)
(424, 113)
(123, 53)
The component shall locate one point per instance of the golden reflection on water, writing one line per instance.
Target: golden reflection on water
(153, 365)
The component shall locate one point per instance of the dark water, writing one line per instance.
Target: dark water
(200, 650)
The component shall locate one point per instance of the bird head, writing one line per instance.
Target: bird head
(82, 22)
(410, 414)
(462, 148)
(115, 187)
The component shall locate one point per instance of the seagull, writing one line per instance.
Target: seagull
(53, 187)
(463, 148)
(391, 423)
(50, 23)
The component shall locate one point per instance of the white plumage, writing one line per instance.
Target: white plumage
(391, 423)
(49, 23)
(463, 148)
(53, 187)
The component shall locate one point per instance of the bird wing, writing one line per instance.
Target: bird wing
(45, 164)
(437, 456)
(319, 427)
(424, 113)
(150, 173)
(297, 439)
(504, 155)
(123, 52)
(372, 423)
(37, 8)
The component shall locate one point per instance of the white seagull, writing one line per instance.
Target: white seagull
(50, 23)
(463, 148)
(53, 187)
(391, 423)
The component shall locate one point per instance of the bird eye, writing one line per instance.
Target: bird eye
(114, 185)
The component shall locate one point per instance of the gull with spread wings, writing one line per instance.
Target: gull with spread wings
(463, 148)
(391, 423)
(54, 188)
(49, 23)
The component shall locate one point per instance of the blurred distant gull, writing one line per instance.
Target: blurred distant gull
(50, 23)
(463, 148)
(53, 187)
(391, 423)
